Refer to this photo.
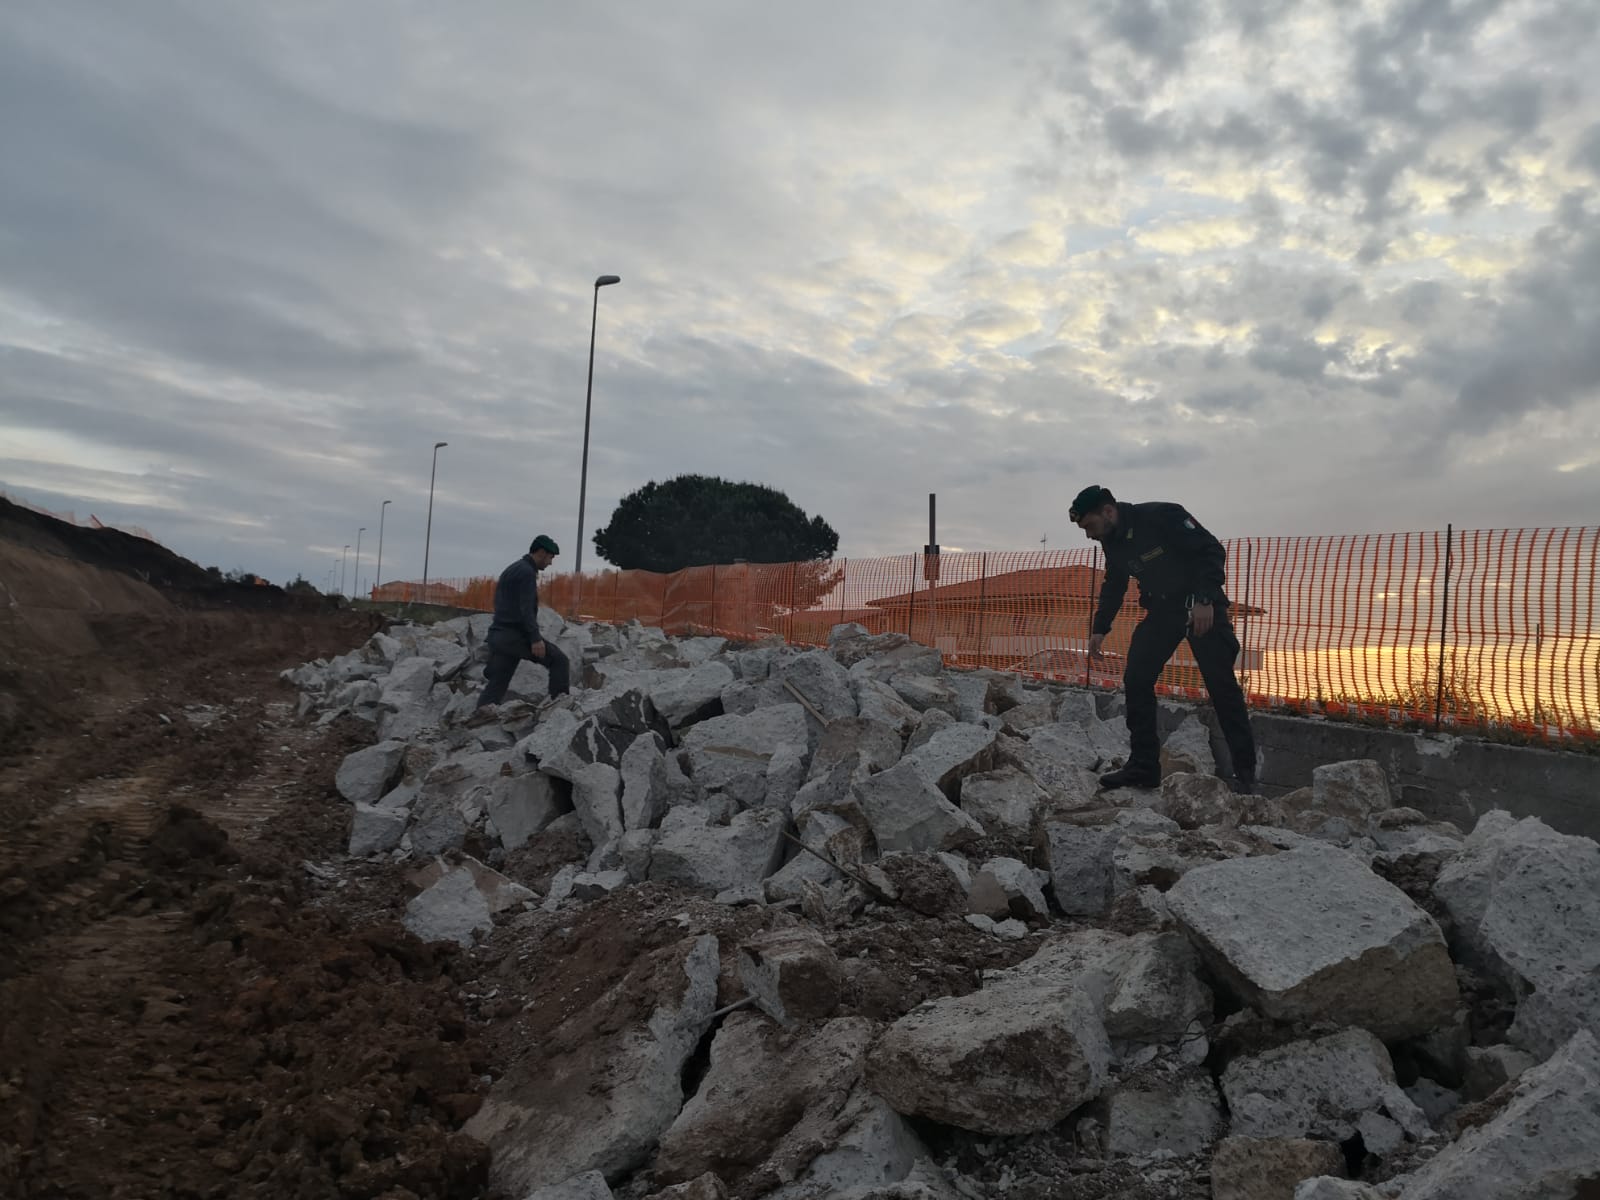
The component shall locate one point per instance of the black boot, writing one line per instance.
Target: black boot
(1244, 783)
(1132, 775)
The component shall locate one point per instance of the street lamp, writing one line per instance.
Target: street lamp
(427, 538)
(378, 582)
(344, 560)
(583, 476)
(355, 580)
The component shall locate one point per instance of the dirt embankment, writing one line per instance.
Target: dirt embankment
(191, 1007)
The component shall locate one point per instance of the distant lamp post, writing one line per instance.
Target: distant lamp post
(344, 561)
(583, 474)
(427, 538)
(355, 578)
(378, 582)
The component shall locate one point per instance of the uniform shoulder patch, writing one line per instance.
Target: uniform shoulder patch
(1188, 523)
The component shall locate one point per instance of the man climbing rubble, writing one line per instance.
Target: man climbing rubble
(514, 633)
(1181, 569)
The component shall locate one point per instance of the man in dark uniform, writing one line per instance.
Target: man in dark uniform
(514, 634)
(1181, 569)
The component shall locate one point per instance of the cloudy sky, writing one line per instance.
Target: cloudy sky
(1304, 266)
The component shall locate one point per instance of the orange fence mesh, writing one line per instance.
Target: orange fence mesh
(1477, 629)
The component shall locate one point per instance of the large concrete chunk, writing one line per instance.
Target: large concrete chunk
(1525, 904)
(1326, 1089)
(603, 1104)
(907, 812)
(409, 681)
(696, 853)
(645, 795)
(363, 777)
(870, 745)
(684, 695)
(374, 830)
(596, 798)
(1353, 790)
(1014, 1057)
(923, 692)
(1005, 887)
(520, 806)
(1081, 869)
(1196, 800)
(1548, 1019)
(793, 974)
(730, 753)
(1312, 935)
(1545, 1144)
(1144, 987)
(461, 903)
(1187, 749)
(818, 676)
(591, 1185)
(762, 1088)
(952, 754)
(1004, 802)
(1247, 1168)
(1163, 1118)
(879, 702)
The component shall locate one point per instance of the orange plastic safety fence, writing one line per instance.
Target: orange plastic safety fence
(1447, 629)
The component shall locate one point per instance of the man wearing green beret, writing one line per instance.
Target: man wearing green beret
(1181, 569)
(514, 633)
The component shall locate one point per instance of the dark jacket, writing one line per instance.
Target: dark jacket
(1171, 555)
(516, 605)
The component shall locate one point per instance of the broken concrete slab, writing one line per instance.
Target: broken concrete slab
(923, 692)
(1311, 934)
(374, 830)
(1159, 1118)
(1193, 800)
(1004, 801)
(792, 972)
(1248, 1168)
(690, 693)
(364, 776)
(1144, 986)
(1489, 1068)
(973, 702)
(1005, 887)
(694, 852)
(1354, 790)
(935, 720)
(877, 701)
(730, 753)
(872, 745)
(869, 1150)
(1016, 1056)
(461, 903)
(603, 1104)
(1081, 871)
(824, 683)
(1319, 1089)
(597, 799)
(1544, 1143)
(645, 797)
(786, 771)
(1524, 901)
(1548, 1019)
(410, 680)
(951, 755)
(520, 806)
(1187, 749)
(591, 1185)
(907, 812)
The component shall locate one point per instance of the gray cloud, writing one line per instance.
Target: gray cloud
(255, 261)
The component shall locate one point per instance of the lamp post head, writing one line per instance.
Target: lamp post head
(437, 445)
(385, 502)
(607, 280)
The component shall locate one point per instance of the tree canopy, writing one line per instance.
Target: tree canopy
(698, 520)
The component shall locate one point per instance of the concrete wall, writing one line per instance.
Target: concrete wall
(1455, 779)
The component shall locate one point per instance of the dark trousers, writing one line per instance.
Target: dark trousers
(1154, 640)
(505, 654)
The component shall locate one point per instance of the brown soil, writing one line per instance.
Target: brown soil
(189, 1011)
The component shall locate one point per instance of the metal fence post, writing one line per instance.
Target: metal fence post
(1444, 627)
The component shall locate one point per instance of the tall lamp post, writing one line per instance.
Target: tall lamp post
(378, 582)
(583, 475)
(355, 579)
(427, 538)
(344, 561)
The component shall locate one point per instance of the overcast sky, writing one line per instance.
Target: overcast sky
(1306, 267)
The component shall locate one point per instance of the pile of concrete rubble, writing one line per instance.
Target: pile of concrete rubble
(1319, 995)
